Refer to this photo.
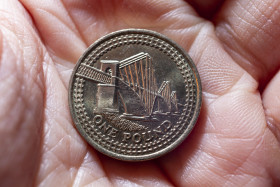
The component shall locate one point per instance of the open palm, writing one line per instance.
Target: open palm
(236, 139)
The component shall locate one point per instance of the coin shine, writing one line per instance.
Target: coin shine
(134, 95)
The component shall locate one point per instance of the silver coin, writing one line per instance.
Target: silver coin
(135, 95)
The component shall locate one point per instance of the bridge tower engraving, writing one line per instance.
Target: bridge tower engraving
(107, 100)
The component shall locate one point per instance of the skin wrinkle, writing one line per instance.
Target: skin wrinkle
(259, 27)
(21, 89)
(54, 121)
(244, 60)
(176, 13)
(119, 181)
(188, 167)
(58, 145)
(249, 53)
(74, 169)
(246, 49)
(250, 179)
(241, 165)
(51, 94)
(239, 169)
(50, 172)
(130, 14)
(267, 20)
(247, 183)
(39, 10)
(218, 158)
(212, 71)
(60, 163)
(38, 32)
(64, 130)
(22, 52)
(214, 156)
(38, 127)
(92, 183)
(82, 168)
(104, 16)
(23, 126)
(35, 68)
(125, 182)
(212, 170)
(143, 173)
(12, 102)
(184, 162)
(75, 25)
(45, 6)
(62, 127)
(198, 27)
(46, 179)
(197, 58)
(204, 169)
(90, 14)
(236, 111)
(14, 123)
(39, 179)
(101, 167)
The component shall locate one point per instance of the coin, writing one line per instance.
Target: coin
(134, 95)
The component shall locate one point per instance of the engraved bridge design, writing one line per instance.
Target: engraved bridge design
(130, 87)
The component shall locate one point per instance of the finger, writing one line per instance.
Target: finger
(80, 23)
(22, 96)
(250, 32)
(206, 9)
(271, 103)
(57, 30)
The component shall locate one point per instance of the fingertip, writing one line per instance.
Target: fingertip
(271, 103)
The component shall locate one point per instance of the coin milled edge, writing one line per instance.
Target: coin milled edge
(189, 126)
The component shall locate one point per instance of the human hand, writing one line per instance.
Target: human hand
(236, 139)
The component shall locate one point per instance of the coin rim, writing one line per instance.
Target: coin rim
(183, 135)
